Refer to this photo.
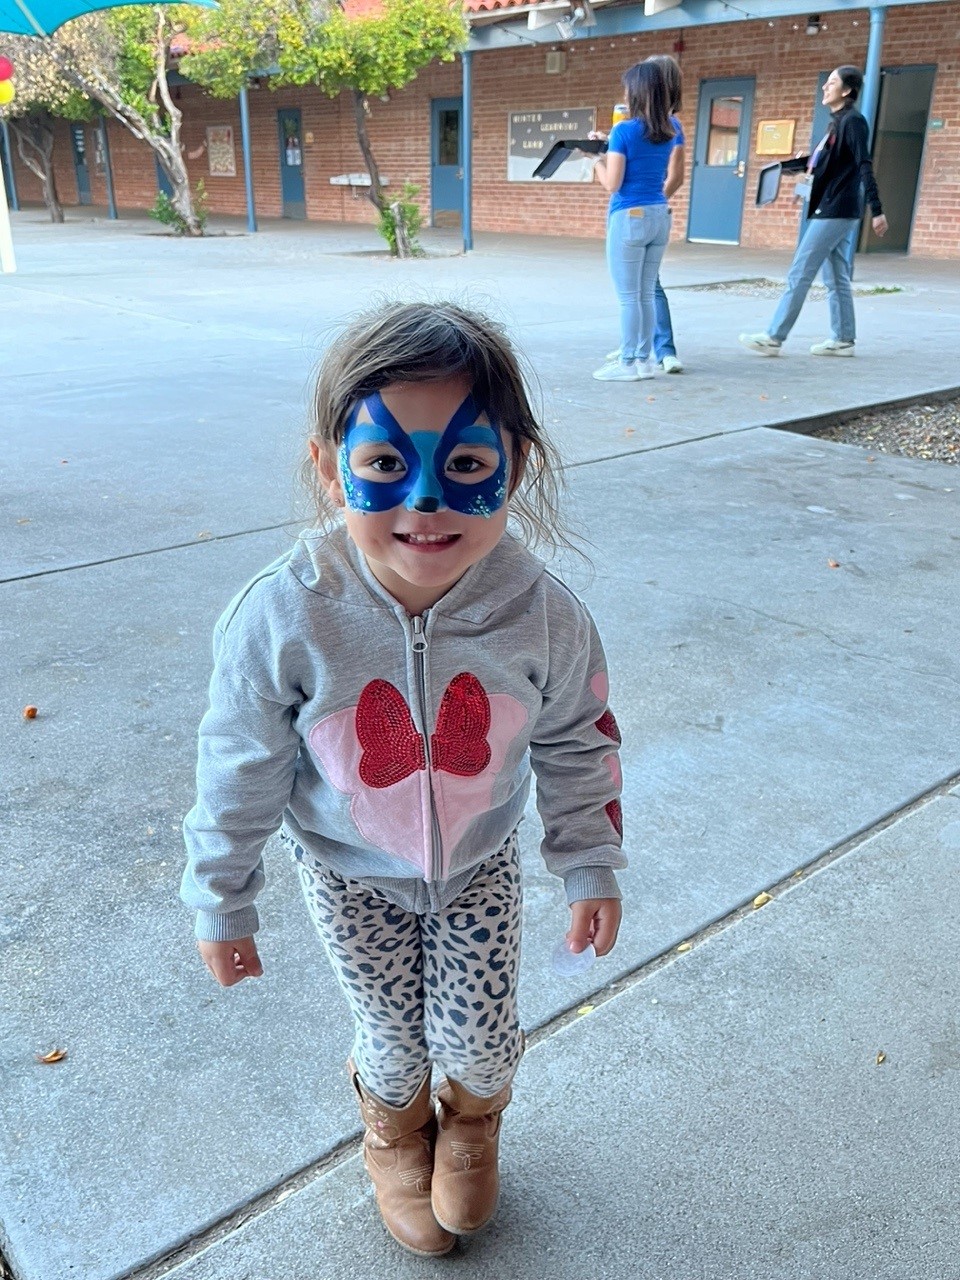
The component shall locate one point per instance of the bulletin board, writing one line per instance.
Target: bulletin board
(775, 137)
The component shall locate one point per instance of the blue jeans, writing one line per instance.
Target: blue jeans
(823, 245)
(663, 343)
(636, 241)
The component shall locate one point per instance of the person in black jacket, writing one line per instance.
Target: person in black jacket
(840, 172)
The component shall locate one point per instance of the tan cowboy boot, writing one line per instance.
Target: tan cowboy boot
(466, 1182)
(398, 1153)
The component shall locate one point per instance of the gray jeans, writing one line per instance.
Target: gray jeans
(438, 987)
(823, 245)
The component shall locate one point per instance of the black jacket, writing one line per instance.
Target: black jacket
(843, 167)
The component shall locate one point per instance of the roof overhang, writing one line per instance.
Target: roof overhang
(509, 25)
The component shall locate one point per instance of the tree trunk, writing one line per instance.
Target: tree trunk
(400, 231)
(35, 135)
(173, 162)
(376, 193)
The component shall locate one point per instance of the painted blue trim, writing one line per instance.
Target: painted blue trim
(629, 20)
(466, 135)
(8, 165)
(247, 159)
(108, 170)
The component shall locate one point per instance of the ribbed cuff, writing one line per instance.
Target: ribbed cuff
(591, 882)
(227, 927)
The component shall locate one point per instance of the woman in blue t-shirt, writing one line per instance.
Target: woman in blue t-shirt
(638, 219)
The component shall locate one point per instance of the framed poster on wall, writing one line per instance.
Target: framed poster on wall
(531, 134)
(221, 156)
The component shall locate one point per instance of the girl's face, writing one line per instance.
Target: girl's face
(834, 94)
(424, 478)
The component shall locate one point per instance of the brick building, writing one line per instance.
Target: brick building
(752, 72)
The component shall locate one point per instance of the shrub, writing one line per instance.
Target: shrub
(406, 212)
(168, 215)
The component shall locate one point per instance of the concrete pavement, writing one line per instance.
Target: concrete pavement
(775, 710)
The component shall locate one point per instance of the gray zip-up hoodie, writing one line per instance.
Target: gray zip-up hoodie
(396, 750)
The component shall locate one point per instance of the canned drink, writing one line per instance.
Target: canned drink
(621, 112)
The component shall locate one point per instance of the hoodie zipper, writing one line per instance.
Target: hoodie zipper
(419, 645)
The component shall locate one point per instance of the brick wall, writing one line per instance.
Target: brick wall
(784, 60)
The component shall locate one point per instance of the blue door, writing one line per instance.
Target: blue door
(446, 162)
(720, 154)
(291, 164)
(80, 163)
(163, 182)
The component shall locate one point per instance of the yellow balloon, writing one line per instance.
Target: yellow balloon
(6, 92)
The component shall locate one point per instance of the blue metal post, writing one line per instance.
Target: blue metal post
(8, 163)
(871, 72)
(869, 96)
(247, 159)
(467, 135)
(108, 168)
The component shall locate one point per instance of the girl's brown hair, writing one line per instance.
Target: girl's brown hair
(422, 342)
(649, 99)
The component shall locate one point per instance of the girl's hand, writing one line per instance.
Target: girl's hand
(231, 962)
(880, 225)
(595, 920)
(597, 135)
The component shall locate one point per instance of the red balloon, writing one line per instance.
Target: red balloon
(6, 68)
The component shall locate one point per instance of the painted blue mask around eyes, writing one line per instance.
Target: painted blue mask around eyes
(422, 484)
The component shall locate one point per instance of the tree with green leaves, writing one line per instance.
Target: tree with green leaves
(43, 95)
(297, 42)
(116, 61)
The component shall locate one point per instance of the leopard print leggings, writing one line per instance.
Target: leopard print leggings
(439, 987)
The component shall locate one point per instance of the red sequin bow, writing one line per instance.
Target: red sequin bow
(392, 747)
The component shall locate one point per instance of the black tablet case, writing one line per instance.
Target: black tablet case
(561, 151)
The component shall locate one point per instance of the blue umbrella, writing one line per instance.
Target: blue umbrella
(42, 17)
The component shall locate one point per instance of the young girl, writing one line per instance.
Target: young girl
(634, 171)
(381, 692)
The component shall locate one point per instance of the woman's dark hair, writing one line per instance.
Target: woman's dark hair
(851, 78)
(673, 77)
(648, 98)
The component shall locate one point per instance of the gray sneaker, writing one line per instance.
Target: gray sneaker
(618, 371)
(833, 347)
(762, 343)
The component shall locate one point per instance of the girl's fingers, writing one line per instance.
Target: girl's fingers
(606, 926)
(581, 925)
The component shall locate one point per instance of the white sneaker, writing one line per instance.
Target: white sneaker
(833, 347)
(613, 355)
(672, 364)
(646, 368)
(617, 371)
(762, 343)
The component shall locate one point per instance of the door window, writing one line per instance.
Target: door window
(723, 139)
(448, 137)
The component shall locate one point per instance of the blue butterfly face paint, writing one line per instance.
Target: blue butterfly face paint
(422, 470)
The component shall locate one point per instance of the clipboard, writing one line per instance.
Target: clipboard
(561, 151)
